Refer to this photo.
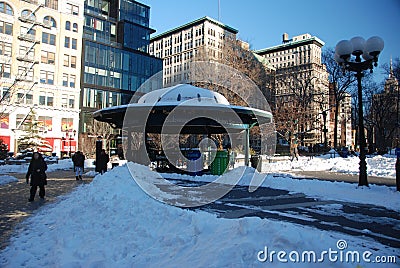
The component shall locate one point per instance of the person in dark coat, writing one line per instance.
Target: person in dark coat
(103, 161)
(37, 172)
(79, 162)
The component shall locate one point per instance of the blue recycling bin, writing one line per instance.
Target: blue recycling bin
(194, 163)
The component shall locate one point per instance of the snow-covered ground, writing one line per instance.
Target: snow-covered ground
(113, 223)
(327, 190)
(4, 179)
(63, 164)
(380, 166)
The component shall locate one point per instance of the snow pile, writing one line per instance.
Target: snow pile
(13, 168)
(4, 179)
(91, 173)
(89, 163)
(64, 164)
(120, 226)
(326, 190)
(380, 166)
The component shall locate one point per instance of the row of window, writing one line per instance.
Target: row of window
(69, 61)
(187, 45)
(46, 77)
(97, 98)
(44, 98)
(178, 39)
(7, 9)
(291, 51)
(45, 122)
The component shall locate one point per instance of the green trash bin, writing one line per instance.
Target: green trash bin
(220, 163)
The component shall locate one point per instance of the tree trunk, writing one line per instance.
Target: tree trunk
(335, 127)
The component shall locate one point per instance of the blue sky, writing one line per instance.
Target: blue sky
(262, 22)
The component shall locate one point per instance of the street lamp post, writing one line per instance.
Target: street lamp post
(69, 136)
(369, 50)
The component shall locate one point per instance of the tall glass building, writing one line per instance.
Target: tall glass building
(116, 62)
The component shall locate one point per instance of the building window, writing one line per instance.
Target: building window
(5, 49)
(51, 4)
(75, 27)
(5, 70)
(47, 77)
(72, 9)
(71, 102)
(66, 60)
(50, 21)
(69, 61)
(67, 124)
(48, 39)
(67, 42)
(28, 32)
(5, 94)
(73, 61)
(64, 101)
(29, 99)
(46, 122)
(50, 99)
(25, 73)
(48, 57)
(28, 15)
(20, 98)
(74, 43)
(46, 99)
(65, 80)
(25, 98)
(68, 25)
(6, 9)
(42, 98)
(21, 120)
(6, 28)
(72, 80)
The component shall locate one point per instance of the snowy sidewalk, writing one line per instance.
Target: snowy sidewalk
(334, 176)
(14, 205)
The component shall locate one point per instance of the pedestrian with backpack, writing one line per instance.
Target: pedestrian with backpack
(79, 163)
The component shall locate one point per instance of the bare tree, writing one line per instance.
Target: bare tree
(235, 55)
(237, 70)
(381, 115)
(341, 84)
(95, 130)
(298, 101)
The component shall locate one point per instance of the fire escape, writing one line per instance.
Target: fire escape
(26, 57)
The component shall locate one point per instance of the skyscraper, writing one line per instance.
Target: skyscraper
(115, 59)
(180, 46)
(301, 81)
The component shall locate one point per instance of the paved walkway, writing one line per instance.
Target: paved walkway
(14, 205)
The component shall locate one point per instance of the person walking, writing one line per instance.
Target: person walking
(79, 162)
(103, 161)
(293, 149)
(37, 172)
